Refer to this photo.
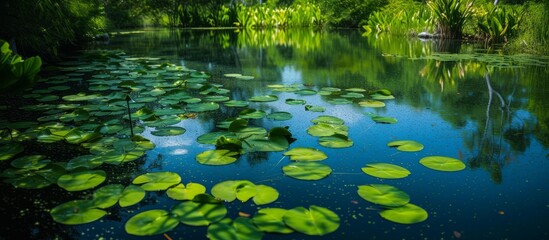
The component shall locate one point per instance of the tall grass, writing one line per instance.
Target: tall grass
(499, 23)
(268, 17)
(400, 18)
(451, 16)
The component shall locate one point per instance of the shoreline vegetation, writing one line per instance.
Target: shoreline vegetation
(53, 26)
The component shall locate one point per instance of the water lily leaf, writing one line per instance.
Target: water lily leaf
(232, 75)
(168, 131)
(217, 157)
(330, 89)
(314, 108)
(262, 144)
(107, 196)
(151, 222)
(352, 95)
(291, 101)
(306, 92)
(182, 192)
(328, 120)
(79, 181)
(34, 179)
(230, 190)
(241, 229)
(371, 104)
(32, 162)
(245, 190)
(211, 138)
(117, 157)
(243, 77)
(271, 220)
(378, 96)
(279, 116)
(202, 107)
(406, 145)
(307, 170)
(265, 98)
(252, 114)
(131, 195)
(357, 90)
(199, 213)
(382, 119)
(162, 122)
(77, 136)
(316, 221)
(335, 141)
(76, 212)
(383, 194)
(157, 181)
(442, 163)
(385, 170)
(199, 75)
(216, 98)
(407, 214)
(192, 100)
(326, 129)
(305, 154)
(236, 103)
(339, 101)
(249, 131)
(265, 195)
(47, 98)
(84, 161)
(76, 116)
(81, 97)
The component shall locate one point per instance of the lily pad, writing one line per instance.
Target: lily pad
(168, 131)
(279, 116)
(339, 101)
(382, 119)
(195, 213)
(371, 104)
(407, 214)
(252, 114)
(32, 162)
(188, 192)
(157, 181)
(265, 98)
(306, 92)
(76, 212)
(239, 229)
(107, 196)
(335, 141)
(202, 107)
(307, 170)
(326, 129)
(291, 101)
(305, 154)
(271, 220)
(217, 157)
(312, 108)
(79, 181)
(236, 103)
(131, 195)
(211, 138)
(385, 170)
(151, 222)
(265, 195)
(315, 221)
(383, 194)
(328, 120)
(442, 163)
(406, 145)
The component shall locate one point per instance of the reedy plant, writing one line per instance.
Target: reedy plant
(451, 16)
(499, 23)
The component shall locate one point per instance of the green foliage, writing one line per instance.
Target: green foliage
(400, 18)
(451, 16)
(499, 23)
(349, 13)
(533, 32)
(15, 73)
(267, 16)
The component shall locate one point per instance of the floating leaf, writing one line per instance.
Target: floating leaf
(76, 212)
(383, 194)
(385, 170)
(79, 181)
(107, 196)
(406, 145)
(326, 129)
(32, 162)
(316, 221)
(265, 195)
(407, 214)
(307, 170)
(291, 101)
(335, 141)
(211, 138)
(217, 157)
(199, 213)
(168, 131)
(339, 101)
(157, 181)
(241, 228)
(328, 120)
(314, 108)
(202, 107)
(382, 119)
(306, 92)
(442, 163)
(305, 154)
(262, 144)
(271, 220)
(151, 222)
(182, 192)
(266, 98)
(236, 103)
(252, 114)
(280, 116)
(358, 90)
(131, 195)
(371, 104)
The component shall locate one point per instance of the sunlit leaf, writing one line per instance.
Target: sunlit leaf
(279, 116)
(407, 214)
(79, 181)
(131, 195)
(76, 212)
(383, 194)
(271, 220)
(10, 150)
(305, 154)
(442, 163)
(168, 131)
(335, 141)
(265, 98)
(107, 196)
(151, 222)
(371, 104)
(316, 221)
(188, 192)
(385, 170)
(265, 195)
(307, 170)
(157, 181)
(406, 145)
(199, 213)
(217, 157)
(30, 162)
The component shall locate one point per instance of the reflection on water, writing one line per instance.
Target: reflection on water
(489, 110)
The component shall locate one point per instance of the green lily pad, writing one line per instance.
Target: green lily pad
(383, 194)
(406, 145)
(107, 196)
(211, 138)
(371, 104)
(202, 107)
(352, 95)
(76, 212)
(81, 97)
(232, 75)
(77, 136)
(265, 98)
(315, 221)
(307, 170)
(32, 162)
(306, 92)
(217, 157)
(326, 129)
(242, 228)
(271, 220)
(339, 101)
(131, 195)
(265, 195)
(157, 181)
(305, 154)
(291, 101)
(442, 163)
(279, 116)
(314, 108)
(330, 89)
(263, 144)
(151, 222)
(168, 131)
(335, 141)
(216, 98)
(79, 181)
(252, 114)
(230, 190)
(243, 77)
(357, 90)
(377, 96)
(236, 103)
(328, 120)
(407, 214)
(382, 119)
(385, 170)
(182, 192)
(117, 157)
(199, 213)
(192, 100)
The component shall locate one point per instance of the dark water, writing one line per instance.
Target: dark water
(487, 109)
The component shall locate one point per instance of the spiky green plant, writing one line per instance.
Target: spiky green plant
(498, 23)
(451, 16)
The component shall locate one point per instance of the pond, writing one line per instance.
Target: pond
(476, 165)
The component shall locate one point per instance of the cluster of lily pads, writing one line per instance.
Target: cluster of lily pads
(121, 96)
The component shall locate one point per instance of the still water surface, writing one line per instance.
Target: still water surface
(486, 109)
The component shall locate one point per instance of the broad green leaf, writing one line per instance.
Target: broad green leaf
(306, 92)
(291, 101)
(211, 138)
(335, 141)
(151, 222)
(240, 229)
(406, 145)
(383, 194)
(326, 129)
(305, 154)
(442, 163)
(279, 116)
(271, 220)
(76, 212)
(202, 107)
(385, 170)
(266, 98)
(328, 120)
(339, 101)
(358, 90)
(407, 214)
(252, 114)
(265, 195)
(79, 181)
(217, 157)
(131, 195)
(182, 192)
(307, 170)
(371, 104)
(382, 119)
(157, 181)
(262, 144)
(10, 150)
(168, 131)
(107, 196)
(236, 103)
(199, 213)
(33, 162)
(316, 221)
(314, 108)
